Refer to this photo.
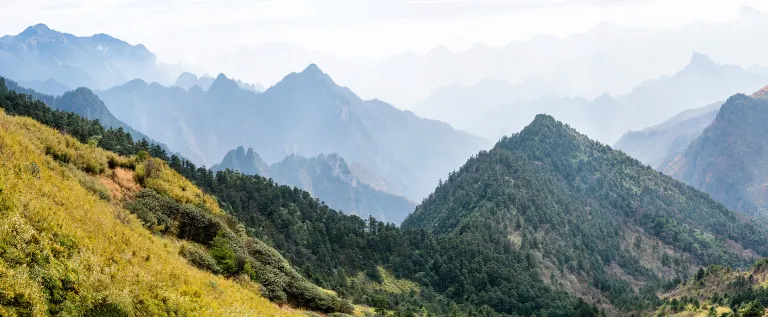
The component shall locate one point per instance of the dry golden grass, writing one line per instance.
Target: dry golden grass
(65, 249)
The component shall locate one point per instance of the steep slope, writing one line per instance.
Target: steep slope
(655, 144)
(728, 160)
(305, 114)
(327, 177)
(76, 228)
(597, 222)
(39, 53)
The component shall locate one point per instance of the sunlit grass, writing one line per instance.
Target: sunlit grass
(65, 248)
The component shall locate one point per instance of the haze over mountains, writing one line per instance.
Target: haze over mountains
(607, 58)
(666, 140)
(99, 61)
(305, 114)
(605, 118)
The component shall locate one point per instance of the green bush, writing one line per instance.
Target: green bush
(104, 307)
(200, 258)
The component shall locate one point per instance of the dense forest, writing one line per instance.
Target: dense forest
(481, 276)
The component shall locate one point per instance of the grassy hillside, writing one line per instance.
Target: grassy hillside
(66, 246)
(84, 231)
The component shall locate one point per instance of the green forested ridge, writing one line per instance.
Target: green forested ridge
(457, 275)
(577, 203)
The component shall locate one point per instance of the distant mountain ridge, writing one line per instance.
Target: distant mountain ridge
(654, 145)
(607, 118)
(188, 80)
(39, 53)
(305, 114)
(327, 177)
(728, 160)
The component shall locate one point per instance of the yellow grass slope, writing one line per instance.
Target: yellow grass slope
(68, 248)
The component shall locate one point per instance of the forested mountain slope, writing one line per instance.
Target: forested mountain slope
(595, 221)
(327, 177)
(729, 159)
(88, 232)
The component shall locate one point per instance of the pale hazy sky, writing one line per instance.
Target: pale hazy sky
(182, 30)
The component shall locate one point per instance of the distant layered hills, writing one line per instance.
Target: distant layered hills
(605, 118)
(306, 114)
(188, 80)
(592, 221)
(655, 144)
(728, 160)
(39, 54)
(327, 177)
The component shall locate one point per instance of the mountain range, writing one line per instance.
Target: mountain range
(327, 177)
(549, 221)
(606, 117)
(606, 58)
(187, 80)
(40, 54)
(305, 114)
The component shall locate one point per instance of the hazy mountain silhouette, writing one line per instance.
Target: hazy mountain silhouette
(306, 114)
(39, 53)
(655, 144)
(606, 118)
(187, 80)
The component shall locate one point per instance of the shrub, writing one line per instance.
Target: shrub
(199, 257)
(222, 252)
(104, 307)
